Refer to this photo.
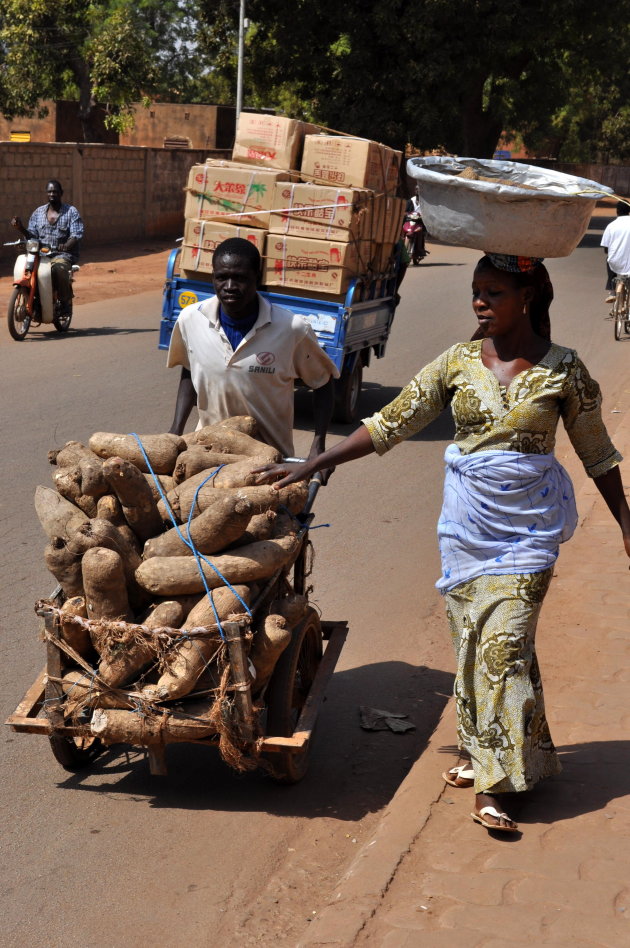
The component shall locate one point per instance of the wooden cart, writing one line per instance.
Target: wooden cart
(276, 729)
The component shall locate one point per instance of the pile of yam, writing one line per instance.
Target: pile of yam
(137, 534)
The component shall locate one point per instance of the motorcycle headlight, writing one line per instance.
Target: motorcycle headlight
(32, 245)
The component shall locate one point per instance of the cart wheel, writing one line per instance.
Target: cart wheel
(287, 693)
(348, 393)
(75, 753)
(18, 317)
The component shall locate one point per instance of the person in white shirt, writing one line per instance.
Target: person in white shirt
(616, 243)
(241, 354)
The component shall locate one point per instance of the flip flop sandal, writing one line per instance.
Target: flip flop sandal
(491, 811)
(462, 777)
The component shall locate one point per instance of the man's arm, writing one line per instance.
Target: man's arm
(323, 403)
(17, 223)
(186, 401)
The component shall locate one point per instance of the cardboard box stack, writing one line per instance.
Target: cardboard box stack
(340, 221)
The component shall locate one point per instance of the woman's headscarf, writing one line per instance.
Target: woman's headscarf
(526, 271)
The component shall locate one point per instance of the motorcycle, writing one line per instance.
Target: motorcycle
(34, 299)
(414, 231)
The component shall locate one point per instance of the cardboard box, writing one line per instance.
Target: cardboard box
(271, 141)
(201, 238)
(225, 191)
(350, 162)
(323, 266)
(311, 210)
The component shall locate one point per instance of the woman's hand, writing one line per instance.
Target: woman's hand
(282, 474)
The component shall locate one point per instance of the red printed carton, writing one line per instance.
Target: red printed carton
(350, 162)
(323, 266)
(311, 210)
(201, 238)
(235, 194)
(271, 141)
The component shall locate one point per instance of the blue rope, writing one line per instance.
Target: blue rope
(199, 557)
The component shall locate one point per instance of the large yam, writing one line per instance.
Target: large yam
(266, 526)
(99, 532)
(269, 643)
(75, 634)
(125, 651)
(190, 657)
(211, 531)
(200, 458)
(240, 474)
(161, 450)
(58, 516)
(165, 481)
(84, 691)
(65, 567)
(73, 452)
(244, 423)
(135, 496)
(104, 584)
(68, 483)
(176, 575)
(128, 727)
(293, 497)
(228, 440)
(92, 481)
(261, 496)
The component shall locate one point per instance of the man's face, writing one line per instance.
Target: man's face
(54, 194)
(235, 283)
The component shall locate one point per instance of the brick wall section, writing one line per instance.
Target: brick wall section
(122, 193)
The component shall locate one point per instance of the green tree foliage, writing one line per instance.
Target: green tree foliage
(115, 52)
(450, 72)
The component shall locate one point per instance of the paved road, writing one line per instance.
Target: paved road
(117, 857)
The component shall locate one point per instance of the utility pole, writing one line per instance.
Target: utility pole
(241, 52)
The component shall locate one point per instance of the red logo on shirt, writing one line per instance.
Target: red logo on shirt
(265, 358)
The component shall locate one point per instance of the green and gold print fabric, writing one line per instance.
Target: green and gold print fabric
(522, 417)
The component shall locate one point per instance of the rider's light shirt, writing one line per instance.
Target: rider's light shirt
(616, 238)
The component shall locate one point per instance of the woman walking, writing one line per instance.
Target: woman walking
(508, 504)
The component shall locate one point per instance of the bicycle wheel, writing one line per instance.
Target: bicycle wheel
(620, 308)
(18, 316)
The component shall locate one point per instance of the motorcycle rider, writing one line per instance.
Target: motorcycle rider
(59, 227)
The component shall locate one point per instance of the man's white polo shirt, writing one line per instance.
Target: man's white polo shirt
(616, 238)
(256, 378)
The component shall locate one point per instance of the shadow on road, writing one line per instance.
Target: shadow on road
(360, 770)
(593, 775)
(49, 335)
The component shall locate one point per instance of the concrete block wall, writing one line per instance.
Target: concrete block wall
(122, 193)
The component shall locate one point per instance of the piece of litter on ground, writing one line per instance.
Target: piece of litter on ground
(375, 719)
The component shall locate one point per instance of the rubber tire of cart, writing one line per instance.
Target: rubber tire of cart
(287, 692)
(74, 754)
(348, 393)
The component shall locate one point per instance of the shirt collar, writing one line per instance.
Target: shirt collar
(210, 309)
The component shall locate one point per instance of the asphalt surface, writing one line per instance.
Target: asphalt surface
(203, 856)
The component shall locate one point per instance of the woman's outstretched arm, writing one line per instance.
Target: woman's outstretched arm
(611, 488)
(357, 445)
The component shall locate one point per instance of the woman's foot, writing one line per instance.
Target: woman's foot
(462, 777)
(489, 813)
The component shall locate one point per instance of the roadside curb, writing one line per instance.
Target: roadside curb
(357, 896)
(359, 893)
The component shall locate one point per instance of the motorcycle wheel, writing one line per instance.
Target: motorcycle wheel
(18, 317)
(61, 319)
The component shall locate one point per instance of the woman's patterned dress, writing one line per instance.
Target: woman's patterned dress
(498, 690)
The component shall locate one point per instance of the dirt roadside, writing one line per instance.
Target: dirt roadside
(107, 272)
